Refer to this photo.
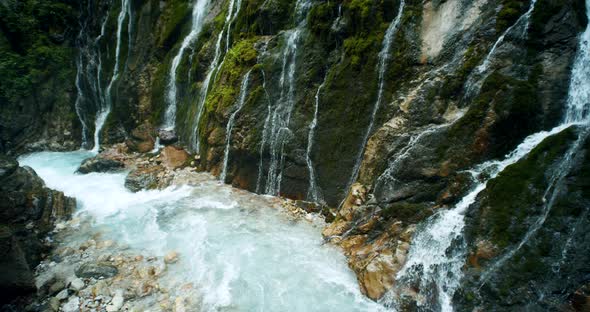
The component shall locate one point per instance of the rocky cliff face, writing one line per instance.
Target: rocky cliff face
(378, 109)
(29, 211)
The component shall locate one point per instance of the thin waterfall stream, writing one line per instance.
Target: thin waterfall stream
(212, 72)
(230, 123)
(313, 192)
(382, 69)
(105, 110)
(200, 8)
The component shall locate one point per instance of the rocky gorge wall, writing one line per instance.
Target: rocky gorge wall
(375, 108)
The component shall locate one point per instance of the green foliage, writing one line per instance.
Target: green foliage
(510, 12)
(32, 49)
(321, 16)
(176, 14)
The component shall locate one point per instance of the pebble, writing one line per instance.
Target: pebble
(77, 284)
(57, 287)
(62, 295)
(171, 257)
(73, 305)
(117, 301)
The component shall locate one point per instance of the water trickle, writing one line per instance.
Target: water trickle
(212, 72)
(382, 69)
(199, 12)
(230, 123)
(265, 135)
(105, 110)
(313, 193)
(523, 20)
(388, 176)
(279, 132)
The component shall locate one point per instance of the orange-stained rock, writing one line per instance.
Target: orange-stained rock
(174, 157)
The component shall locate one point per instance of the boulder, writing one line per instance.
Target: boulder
(16, 277)
(174, 157)
(96, 270)
(143, 178)
(167, 137)
(142, 139)
(28, 212)
(97, 164)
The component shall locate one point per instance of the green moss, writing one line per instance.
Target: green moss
(510, 12)
(30, 54)
(514, 194)
(176, 14)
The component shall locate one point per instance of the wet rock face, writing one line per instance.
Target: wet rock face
(28, 212)
(505, 258)
(98, 164)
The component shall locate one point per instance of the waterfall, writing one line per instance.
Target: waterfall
(213, 69)
(279, 131)
(577, 113)
(525, 18)
(105, 110)
(432, 260)
(432, 264)
(198, 16)
(265, 134)
(313, 192)
(230, 123)
(382, 69)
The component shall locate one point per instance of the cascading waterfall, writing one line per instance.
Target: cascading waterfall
(313, 192)
(281, 116)
(525, 18)
(105, 110)
(433, 264)
(382, 69)
(577, 113)
(230, 123)
(213, 69)
(199, 12)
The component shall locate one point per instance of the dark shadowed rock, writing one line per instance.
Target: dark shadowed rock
(95, 164)
(28, 211)
(96, 270)
(167, 137)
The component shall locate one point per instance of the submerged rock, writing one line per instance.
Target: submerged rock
(97, 164)
(96, 270)
(145, 178)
